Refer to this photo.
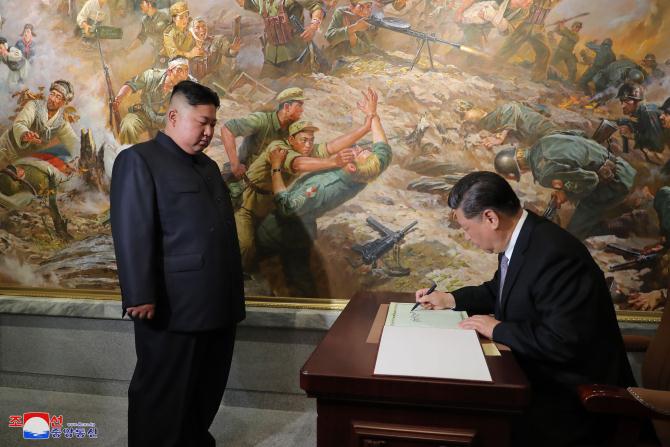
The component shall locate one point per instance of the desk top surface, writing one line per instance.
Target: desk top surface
(343, 364)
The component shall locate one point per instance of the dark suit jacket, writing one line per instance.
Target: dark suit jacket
(175, 238)
(557, 315)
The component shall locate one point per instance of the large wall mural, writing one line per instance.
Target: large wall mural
(563, 97)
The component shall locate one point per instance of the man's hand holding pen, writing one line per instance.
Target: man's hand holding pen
(435, 300)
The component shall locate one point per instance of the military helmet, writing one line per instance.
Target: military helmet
(666, 106)
(64, 88)
(579, 24)
(628, 91)
(608, 42)
(635, 76)
(291, 94)
(178, 8)
(650, 57)
(302, 126)
(506, 164)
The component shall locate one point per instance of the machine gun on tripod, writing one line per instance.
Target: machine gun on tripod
(402, 27)
(374, 250)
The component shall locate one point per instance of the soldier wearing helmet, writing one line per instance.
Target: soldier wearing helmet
(651, 66)
(579, 170)
(645, 124)
(604, 57)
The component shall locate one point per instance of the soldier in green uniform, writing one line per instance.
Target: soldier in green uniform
(302, 156)
(523, 122)
(282, 44)
(290, 231)
(258, 129)
(348, 33)
(564, 53)
(579, 170)
(177, 38)
(152, 28)
(39, 125)
(156, 87)
(531, 31)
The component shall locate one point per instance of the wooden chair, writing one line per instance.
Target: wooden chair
(635, 405)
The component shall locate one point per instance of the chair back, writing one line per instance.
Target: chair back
(656, 369)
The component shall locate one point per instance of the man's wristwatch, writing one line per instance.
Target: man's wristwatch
(273, 170)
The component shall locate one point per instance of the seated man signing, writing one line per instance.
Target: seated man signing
(302, 156)
(550, 305)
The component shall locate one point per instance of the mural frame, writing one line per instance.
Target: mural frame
(623, 316)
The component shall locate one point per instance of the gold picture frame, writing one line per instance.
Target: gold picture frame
(623, 316)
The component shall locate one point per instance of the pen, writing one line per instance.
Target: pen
(431, 290)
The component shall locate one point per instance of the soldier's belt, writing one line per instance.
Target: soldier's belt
(255, 187)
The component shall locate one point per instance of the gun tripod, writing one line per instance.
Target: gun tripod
(395, 268)
(426, 43)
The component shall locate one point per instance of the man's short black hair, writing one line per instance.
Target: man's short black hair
(3, 41)
(152, 3)
(196, 94)
(482, 190)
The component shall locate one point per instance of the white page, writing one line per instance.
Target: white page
(431, 352)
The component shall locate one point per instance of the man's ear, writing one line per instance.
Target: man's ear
(350, 168)
(492, 218)
(172, 116)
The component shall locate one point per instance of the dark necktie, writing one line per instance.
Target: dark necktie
(504, 262)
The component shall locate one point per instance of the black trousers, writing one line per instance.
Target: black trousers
(177, 385)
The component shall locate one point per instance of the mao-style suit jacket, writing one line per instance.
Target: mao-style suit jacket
(174, 237)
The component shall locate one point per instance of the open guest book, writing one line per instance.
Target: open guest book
(429, 344)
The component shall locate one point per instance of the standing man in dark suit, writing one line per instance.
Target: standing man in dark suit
(551, 306)
(180, 273)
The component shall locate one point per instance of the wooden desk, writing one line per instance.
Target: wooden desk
(356, 408)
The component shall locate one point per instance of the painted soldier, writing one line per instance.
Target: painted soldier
(259, 129)
(40, 124)
(645, 126)
(177, 38)
(149, 114)
(650, 65)
(564, 53)
(303, 156)
(531, 31)
(579, 170)
(18, 66)
(518, 120)
(348, 33)
(604, 56)
(617, 73)
(27, 44)
(152, 27)
(478, 17)
(92, 14)
(282, 44)
(216, 63)
(290, 231)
